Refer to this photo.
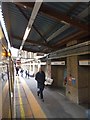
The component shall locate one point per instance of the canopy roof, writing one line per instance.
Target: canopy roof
(55, 24)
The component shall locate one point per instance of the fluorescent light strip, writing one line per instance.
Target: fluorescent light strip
(26, 33)
(20, 47)
(4, 27)
(34, 13)
(31, 20)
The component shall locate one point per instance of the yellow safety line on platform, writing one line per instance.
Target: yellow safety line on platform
(36, 109)
(20, 101)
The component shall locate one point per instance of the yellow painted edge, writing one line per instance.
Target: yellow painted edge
(20, 101)
(36, 109)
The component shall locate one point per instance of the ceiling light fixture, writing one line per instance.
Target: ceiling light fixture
(20, 47)
(25, 6)
(26, 33)
(31, 20)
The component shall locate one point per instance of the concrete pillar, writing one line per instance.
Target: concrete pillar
(78, 91)
(48, 69)
(72, 68)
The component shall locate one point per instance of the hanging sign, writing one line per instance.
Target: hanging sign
(84, 62)
(58, 63)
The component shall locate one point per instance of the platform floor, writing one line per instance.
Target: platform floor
(55, 105)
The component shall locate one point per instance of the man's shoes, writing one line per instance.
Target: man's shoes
(38, 93)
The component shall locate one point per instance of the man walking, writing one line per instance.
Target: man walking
(40, 78)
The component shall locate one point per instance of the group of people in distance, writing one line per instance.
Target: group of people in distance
(27, 74)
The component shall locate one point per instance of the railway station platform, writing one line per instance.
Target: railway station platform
(55, 105)
(53, 35)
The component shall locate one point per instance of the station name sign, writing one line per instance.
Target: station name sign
(58, 63)
(55, 63)
(84, 62)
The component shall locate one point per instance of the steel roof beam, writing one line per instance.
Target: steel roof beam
(74, 36)
(79, 49)
(59, 31)
(29, 50)
(47, 10)
(84, 13)
(32, 42)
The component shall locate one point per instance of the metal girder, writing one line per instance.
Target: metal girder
(29, 50)
(84, 13)
(47, 10)
(74, 36)
(32, 42)
(25, 48)
(79, 49)
(59, 31)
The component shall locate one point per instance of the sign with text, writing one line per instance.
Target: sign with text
(58, 63)
(84, 62)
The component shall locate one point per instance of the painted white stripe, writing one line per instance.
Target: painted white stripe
(61, 94)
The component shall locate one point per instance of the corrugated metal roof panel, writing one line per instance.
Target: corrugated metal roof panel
(46, 25)
(16, 43)
(82, 6)
(33, 35)
(61, 6)
(18, 22)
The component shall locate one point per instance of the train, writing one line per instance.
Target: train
(6, 79)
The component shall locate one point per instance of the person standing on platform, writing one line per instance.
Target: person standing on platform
(21, 72)
(26, 74)
(40, 78)
(17, 70)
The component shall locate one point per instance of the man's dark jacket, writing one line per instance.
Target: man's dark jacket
(40, 77)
